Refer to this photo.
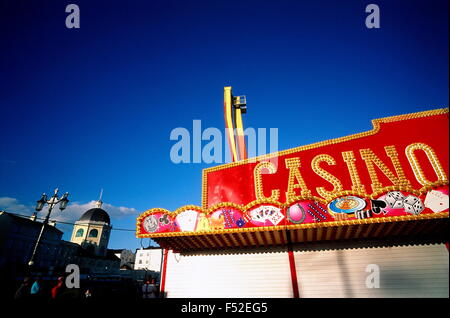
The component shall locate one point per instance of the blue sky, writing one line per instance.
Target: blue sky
(91, 108)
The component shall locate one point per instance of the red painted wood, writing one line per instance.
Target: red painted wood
(163, 277)
(292, 267)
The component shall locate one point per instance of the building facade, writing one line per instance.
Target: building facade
(149, 259)
(407, 269)
(92, 230)
(91, 233)
(18, 237)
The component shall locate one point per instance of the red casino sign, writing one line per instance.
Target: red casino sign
(398, 171)
(409, 151)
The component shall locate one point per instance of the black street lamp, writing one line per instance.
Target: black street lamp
(54, 200)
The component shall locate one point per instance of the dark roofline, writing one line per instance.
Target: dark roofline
(114, 250)
(109, 256)
(70, 243)
(95, 215)
(21, 219)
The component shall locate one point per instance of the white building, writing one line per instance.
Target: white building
(330, 270)
(148, 258)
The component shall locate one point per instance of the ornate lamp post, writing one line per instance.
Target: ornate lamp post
(54, 200)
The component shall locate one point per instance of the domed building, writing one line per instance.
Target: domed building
(92, 230)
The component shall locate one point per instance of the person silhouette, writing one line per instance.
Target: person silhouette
(57, 290)
(24, 291)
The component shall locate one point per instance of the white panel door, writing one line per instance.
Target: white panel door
(229, 274)
(405, 271)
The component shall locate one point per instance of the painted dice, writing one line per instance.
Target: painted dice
(413, 205)
(395, 199)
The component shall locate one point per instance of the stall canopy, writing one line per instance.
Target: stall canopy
(391, 181)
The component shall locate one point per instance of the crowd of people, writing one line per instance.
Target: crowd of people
(37, 288)
(49, 289)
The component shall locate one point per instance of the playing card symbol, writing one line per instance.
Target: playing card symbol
(437, 201)
(275, 217)
(187, 220)
(378, 206)
(164, 219)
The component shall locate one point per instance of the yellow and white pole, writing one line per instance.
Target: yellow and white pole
(229, 122)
